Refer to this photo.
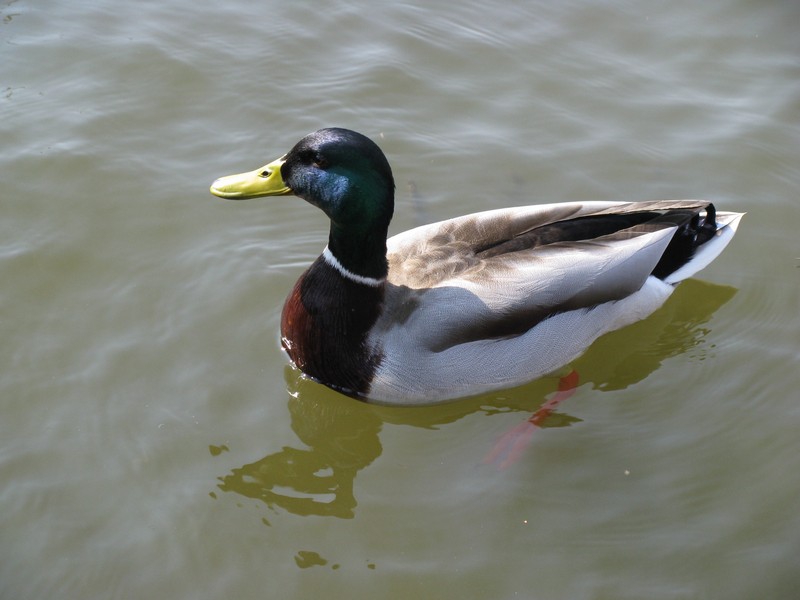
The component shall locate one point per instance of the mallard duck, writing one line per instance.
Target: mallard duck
(472, 304)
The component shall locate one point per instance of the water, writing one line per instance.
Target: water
(154, 442)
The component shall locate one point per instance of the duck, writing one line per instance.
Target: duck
(472, 304)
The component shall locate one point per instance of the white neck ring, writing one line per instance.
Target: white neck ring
(334, 262)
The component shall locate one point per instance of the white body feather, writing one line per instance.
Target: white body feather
(440, 297)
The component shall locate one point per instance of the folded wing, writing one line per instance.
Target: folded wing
(499, 273)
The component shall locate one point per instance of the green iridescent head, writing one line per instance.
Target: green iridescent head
(343, 173)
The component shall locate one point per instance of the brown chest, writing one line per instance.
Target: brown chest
(324, 327)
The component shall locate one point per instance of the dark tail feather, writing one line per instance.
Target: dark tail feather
(694, 230)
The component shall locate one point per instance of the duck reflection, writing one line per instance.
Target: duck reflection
(342, 439)
(343, 435)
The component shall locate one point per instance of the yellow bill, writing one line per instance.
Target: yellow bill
(266, 181)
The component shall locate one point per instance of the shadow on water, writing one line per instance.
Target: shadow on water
(342, 435)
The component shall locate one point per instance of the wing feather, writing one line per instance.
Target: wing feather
(438, 270)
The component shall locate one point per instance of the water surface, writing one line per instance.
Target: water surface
(155, 442)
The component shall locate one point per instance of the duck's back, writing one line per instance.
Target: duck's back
(498, 298)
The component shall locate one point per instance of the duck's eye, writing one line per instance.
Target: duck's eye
(320, 162)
